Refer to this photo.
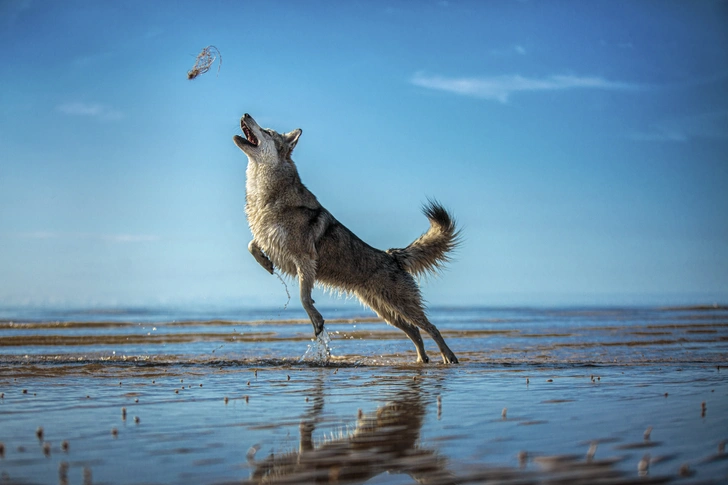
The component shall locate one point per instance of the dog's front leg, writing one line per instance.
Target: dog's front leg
(260, 257)
(306, 280)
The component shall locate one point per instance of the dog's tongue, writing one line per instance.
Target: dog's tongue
(249, 135)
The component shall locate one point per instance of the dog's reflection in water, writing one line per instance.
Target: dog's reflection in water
(384, 441)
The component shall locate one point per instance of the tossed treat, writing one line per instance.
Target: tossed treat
(204, 61)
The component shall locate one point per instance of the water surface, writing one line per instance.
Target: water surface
(226, 397)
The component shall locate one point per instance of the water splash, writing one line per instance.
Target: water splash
(319, 351)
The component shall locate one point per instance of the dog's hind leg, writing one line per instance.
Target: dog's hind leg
(416, 316)
(410, 330)
(414, 335)
(306, 279)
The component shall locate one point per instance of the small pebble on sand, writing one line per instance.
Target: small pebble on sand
(522, 458)
(592, 451)
(643, 467)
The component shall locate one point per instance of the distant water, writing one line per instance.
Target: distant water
(502, 335)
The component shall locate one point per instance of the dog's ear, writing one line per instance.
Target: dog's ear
(292, 138)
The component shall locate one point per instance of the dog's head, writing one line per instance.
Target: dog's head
(263, 145)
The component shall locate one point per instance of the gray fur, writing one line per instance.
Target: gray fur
(294, 233)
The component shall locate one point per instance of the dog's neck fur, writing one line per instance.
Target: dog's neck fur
(268, 184)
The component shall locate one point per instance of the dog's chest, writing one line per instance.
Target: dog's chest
(266, 223)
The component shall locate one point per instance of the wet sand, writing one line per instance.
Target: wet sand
(540, 396)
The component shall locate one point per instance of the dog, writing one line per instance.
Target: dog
(293, 232)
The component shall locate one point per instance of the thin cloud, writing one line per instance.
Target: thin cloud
(704, 125)
(501, 88)
(114, 238)
(98, 111)
(129, 238)
(516, 49)
(91, 59)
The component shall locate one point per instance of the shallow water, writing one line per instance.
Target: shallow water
(248, 396)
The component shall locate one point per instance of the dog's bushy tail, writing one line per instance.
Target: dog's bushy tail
(429, 252)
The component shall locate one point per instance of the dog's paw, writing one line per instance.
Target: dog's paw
(318, 324)
(449, 358)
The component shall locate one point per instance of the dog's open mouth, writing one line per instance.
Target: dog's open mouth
(250, 138)
(249, 135)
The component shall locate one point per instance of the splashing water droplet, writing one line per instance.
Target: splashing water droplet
(318, 350)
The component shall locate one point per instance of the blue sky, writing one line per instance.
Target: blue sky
(582, 146)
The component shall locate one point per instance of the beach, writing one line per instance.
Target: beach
(558, 395)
